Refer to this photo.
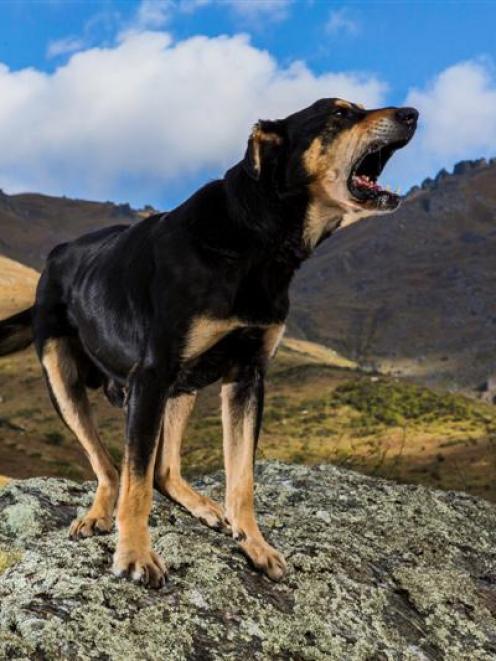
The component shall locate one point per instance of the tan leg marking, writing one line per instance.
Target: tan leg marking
(134, 556)
(168, 479)
(239, 423)
(272, 338)
(70, 394)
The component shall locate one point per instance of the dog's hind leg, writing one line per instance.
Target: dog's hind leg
(168, 478)
(69, 396)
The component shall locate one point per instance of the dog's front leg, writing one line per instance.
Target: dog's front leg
(242, 404)
(134, 557)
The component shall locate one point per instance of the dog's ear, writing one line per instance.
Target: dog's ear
(264, 146)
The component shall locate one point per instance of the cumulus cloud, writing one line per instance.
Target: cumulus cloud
(457, 120)
(340, 21)
(149, 110)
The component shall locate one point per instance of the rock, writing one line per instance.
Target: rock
(466, 166)
(442, 175)
(487, 391)
(377, 571)
(427, 184)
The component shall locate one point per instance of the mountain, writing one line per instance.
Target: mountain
(413, 293)
(32, 224)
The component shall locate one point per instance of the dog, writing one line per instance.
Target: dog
(153, 312)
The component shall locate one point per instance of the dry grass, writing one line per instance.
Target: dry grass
(316, 412)
(17, 286)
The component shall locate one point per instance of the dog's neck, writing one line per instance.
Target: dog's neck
(289, 224)
(320, 221)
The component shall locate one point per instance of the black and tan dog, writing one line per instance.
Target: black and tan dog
(154, 312)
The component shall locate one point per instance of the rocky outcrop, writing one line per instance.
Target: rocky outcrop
(377, 571)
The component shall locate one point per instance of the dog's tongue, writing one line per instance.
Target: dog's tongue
(364, 182)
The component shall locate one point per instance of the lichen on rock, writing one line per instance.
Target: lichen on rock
(377, 571)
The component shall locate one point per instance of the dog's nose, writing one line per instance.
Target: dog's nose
(407, 116)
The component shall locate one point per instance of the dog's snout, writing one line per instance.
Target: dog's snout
(407, 116)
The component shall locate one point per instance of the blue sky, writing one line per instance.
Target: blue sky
(143, 101)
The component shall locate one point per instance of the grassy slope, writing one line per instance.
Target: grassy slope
(319, 409)
(315, 413)
(17, 286)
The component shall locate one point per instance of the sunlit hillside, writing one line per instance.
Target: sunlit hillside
(320, 408)
(315, 412)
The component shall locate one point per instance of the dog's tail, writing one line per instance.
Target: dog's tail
(16, 332)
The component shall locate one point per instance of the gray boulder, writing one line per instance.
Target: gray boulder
(377, 571)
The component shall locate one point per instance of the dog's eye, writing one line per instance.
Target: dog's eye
(340, 113)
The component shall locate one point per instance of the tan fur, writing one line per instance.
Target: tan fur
(239, 446)
(134, 555)
(61, 371)
(205, 332)
(329, 166)
(341, 103)
(272, 338)
(168, 477)
(320, 218)
(258, 138)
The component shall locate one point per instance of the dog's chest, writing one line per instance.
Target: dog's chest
(213, 347)
(206, 332)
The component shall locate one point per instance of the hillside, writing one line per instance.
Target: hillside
(17, 286)
(32, 224)
(319, 409)
(376, 571)
(315, 412)
(412, 293)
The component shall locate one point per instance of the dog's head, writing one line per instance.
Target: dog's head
(336, 150)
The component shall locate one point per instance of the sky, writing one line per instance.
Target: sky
(144, 101)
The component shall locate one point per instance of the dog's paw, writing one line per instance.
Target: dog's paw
(141, 566)
(88, 525)
(211, 514)
(203, 508)
(264, 557)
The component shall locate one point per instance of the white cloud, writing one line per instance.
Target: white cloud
(101, 25)
(157, 13)
(340, 21)
(152, 14)
(457, 119)
(275, 10)
(150, 109)
(64, 46)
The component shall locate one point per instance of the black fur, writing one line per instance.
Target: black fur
(16, 332)
(127, 295)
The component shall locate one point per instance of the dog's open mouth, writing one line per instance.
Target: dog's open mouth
(362, 182)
